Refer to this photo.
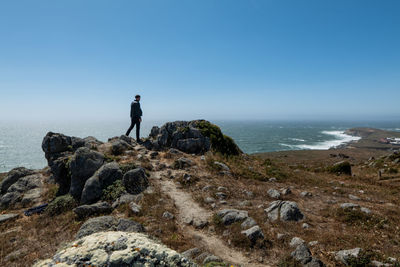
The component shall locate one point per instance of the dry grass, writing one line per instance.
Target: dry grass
(35, 237)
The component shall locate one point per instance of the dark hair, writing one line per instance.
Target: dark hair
(137, 96)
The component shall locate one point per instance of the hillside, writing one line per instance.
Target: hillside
(192, 197)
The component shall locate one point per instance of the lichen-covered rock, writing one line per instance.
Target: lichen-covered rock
(83, 165)
(135, 181)
(345, 255)
(101, 179)
(116, 249)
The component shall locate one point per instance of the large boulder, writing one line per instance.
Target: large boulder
(13, 177)
(116, 249)
(284, 210)
(102, 178)
(59, 168)
(108, 223)
(83, 165)
(135, 181)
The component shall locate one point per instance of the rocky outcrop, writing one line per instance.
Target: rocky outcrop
(197, 137)
(284, 210)
(102, 178)
(116, 249)
(13, 177)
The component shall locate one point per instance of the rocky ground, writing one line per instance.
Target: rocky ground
(188, 196)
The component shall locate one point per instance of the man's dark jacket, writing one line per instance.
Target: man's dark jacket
(136, 111)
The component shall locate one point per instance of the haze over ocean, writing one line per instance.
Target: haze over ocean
(20, 143)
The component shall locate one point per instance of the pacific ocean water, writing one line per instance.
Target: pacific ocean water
(20, 142)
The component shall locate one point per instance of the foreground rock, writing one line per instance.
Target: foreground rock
(108, 223)
(284, 210)
(116, 249)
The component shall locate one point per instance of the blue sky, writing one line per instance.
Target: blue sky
(211, 59)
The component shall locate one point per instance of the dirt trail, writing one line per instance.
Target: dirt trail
(189, 210)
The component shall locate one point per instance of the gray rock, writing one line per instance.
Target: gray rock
(83, 165)
(284, 210)
(26, 183)
(168, 215)
(135, 181)
(31, 197)
(119, 146)
(296, 241)
(211, 258)
(272, 179)
(353, 197)
(248, 223)
(116, 249)
(306, 194)
(305, 225)
(366, 210)
(135, 208)
(286, 191)
(108, 223)
(221, 166)
(209, 200)
(253, 234)
(313, 243)
(345, 255)
(230, 216)
(94, 209)
(221, 195)
(314, 263)
(349, 206)
(191, 253)
(12, 177)
(127, 198)
(273, 193)
(302, 254)
(182, 163)
(56, 143)
(7, 217)
(100, 180)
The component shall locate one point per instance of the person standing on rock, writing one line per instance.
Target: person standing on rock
(136, 117)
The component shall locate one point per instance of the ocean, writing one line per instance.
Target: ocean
(20, 142)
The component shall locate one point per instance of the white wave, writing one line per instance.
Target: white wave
(297, 139)
(287, 145)
(340, 139)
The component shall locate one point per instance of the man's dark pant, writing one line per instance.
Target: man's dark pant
(134, 121)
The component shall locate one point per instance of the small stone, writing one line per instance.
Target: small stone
(296, 241)
(8, 217)
(353, 197)
(135, 208)
(272, 179)
(305, 226)
(306, 194)
(209, 200)
(221, 195)
(286, 191)
(168, 215)
(313, 243)
(349, 206)
(248, 223)
(222, 166)
(254, 233)
(222, 188)
(366, 210)
(273, 193)
(280, 236)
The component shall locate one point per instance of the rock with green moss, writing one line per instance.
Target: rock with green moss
(60, 205)
(196, 137)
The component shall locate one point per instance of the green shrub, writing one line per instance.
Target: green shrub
(127, 167)
(343, 167)
(219, 142)
(60, 205)
(114, 191)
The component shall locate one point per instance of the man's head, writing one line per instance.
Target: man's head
(137, 97)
